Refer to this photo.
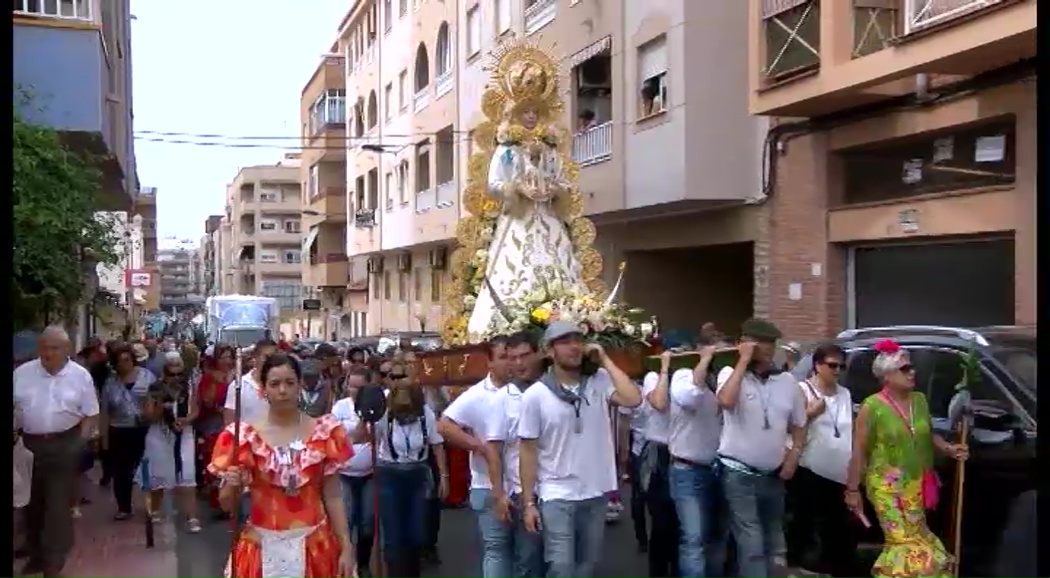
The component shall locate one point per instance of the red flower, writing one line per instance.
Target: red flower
(887, 347)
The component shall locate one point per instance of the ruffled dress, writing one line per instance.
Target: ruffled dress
(287, 535)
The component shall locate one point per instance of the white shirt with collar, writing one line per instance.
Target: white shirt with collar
(695, 422)
(745, 437)
(576, 455)
(360, 464)
(407, 438)
(53, 403)
(254, 406)
(503, 427)
(657, 424)
(472, 411)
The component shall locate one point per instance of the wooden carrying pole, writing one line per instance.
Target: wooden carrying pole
(235, 515)
(957, 503)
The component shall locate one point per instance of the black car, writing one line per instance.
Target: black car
(1002, 465)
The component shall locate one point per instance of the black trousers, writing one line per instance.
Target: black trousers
(663, 538)
(818, 512)
(637, 499)
(126, 446)
(434, 506)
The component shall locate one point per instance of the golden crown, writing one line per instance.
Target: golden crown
(521, 72)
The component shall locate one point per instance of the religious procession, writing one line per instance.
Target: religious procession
(550, 426)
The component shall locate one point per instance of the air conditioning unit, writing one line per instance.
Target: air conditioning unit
(375, 265)
(437, 258)
(404, 262)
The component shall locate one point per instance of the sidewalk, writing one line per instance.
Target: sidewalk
(105, 547)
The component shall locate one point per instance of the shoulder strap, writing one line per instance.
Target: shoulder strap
(423, 428)
(390, 436)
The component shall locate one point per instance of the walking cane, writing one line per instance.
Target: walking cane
(959, 412)
(235, 518)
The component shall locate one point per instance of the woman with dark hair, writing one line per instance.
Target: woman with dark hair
(405, 437)
(289, 461)
(171, 409)
(814, 491)
(219, 372)
(122, 423)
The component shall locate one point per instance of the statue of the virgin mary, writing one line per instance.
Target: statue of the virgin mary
(531, 246)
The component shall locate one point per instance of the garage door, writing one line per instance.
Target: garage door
(959, 284)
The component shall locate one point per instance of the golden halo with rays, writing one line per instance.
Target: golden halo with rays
(522, 74)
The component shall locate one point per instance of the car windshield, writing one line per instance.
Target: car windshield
(1019, 358)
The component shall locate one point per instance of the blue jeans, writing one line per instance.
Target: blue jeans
(572, 536)
(358, 501)
(756, 518)
(508, 549)
(402, 505)
(697, 496)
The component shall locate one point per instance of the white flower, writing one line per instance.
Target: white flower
(628, 329)
(486, 234)
(469, 301)
(647, 329)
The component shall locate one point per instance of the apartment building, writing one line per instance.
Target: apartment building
(671, 166)
(261, 233)
(903, 163)
(176, 266)
(210, 244)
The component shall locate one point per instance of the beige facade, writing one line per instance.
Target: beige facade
(941, 159)
(672, 143)
(262, 233)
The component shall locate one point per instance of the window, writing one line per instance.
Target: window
(402, 286)
(269, 197)
(422, 76)
(402, 8)
(402, 90)
(792, 31)
(388, 101)
(444, 51)
(386, 285)
(417, 284)
(268, 225)
(652, 71)
(473, 31)
(388, 15)
(373, 110)
(291, 226)
(314, 183)
(377, 286)
(402, 181)
(292, 257)
(267, 257)
(435, 285)
(389, 190)
(503, 8)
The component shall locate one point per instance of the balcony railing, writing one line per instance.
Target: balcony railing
(919, 14)
(539, 14)
(425, 200)
(63, 9)
(421, 99)
(593, 145)
(443, 85)
(446, 194)
(365, 218)
(328, 110)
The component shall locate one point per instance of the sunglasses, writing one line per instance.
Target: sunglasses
(834, 365)
(906, 368)
(396, 376)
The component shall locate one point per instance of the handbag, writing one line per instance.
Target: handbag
(22, 463)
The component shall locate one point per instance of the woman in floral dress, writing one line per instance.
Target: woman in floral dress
(297, 525)
(893, 450)
(211, 397)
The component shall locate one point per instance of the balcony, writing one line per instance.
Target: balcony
(278, 237)
(816, 57)
(330, 205)
(83, 10)
(331, 270)
(447, 194)
(443, 84)
(593, 145)
(365, 218)
(421, 100)
(539, 13)
(326, 125)
(426, 200)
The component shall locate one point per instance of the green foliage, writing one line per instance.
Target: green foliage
(971, 368)
(55, 198)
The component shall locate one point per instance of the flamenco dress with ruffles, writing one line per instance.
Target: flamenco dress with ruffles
(288, 534)
(211, 397)
(900, 461)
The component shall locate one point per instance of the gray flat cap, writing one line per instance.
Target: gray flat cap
(559, 329)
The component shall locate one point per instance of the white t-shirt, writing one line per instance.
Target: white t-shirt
(657, 424)
(575, 455)
(253, 405)
(638, 417)
(360, 464)
(472, 411)
(47, 404)
(409, 444)
(503, 427)
(826, 454)
(695, 422)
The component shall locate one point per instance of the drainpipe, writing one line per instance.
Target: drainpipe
(922, 87)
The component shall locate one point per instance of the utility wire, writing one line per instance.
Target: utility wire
(154, 133)
(256, 145)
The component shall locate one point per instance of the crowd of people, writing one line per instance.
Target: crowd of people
(331, 445)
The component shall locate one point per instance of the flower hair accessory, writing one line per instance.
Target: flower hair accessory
(887, 347)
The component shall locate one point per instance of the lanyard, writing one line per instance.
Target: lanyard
(908, 421)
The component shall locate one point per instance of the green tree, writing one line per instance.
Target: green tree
(55, 225)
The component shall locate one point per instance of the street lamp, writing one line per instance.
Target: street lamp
(381, 148)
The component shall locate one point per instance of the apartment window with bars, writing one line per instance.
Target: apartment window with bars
(874, 25)
(65, 9)
(792, 35)
(328, 109)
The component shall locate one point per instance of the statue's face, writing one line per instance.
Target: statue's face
(529, 118)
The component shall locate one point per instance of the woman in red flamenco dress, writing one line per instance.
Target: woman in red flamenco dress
(211, 397)
(297, 526)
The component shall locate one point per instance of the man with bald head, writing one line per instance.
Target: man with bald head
(57, 408)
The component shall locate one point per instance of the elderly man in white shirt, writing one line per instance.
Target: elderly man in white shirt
(57, 406)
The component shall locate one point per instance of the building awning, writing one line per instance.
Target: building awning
(599, 47)
(310, 238)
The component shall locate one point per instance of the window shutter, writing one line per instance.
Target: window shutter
(652, 59)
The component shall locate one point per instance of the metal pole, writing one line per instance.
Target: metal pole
(235, 519)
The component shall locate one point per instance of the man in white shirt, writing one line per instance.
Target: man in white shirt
(761, 408)
(631, 430)
(465, 424)
(567, 449)
(57, 407)
(654, 472)
(695, 429)
(356, 475)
